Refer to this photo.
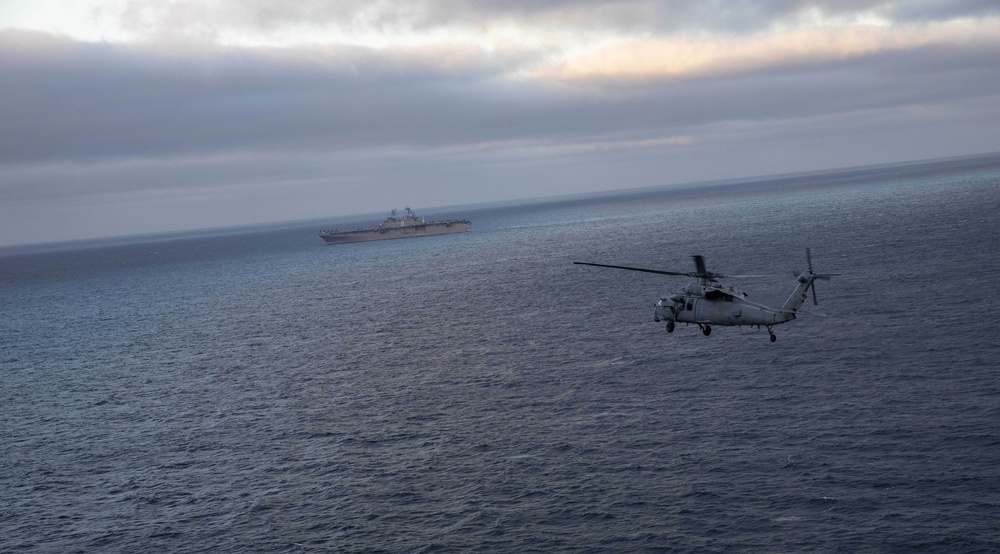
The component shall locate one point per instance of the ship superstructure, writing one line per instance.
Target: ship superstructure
(395, 227)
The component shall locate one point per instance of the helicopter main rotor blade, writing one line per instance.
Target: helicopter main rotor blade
(699, 264)
(661, 272)
(751, 276)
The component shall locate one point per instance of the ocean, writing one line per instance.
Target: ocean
(255, 390)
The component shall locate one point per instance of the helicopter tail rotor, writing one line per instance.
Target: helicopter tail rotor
(809, 261)
(807, 280)
(815, 276)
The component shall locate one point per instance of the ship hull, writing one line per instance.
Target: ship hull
(409, 231)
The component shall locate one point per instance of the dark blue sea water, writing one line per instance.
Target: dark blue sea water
(258, 391)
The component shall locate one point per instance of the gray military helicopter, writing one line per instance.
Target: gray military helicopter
(707, 303)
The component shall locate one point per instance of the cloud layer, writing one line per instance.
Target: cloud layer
(266, 110)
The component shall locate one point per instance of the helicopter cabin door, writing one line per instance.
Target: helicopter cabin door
(714, 307)
(703, 310)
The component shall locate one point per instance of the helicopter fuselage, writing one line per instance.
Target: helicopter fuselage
(717, 306)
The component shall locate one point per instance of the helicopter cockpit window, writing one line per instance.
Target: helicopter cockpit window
(690, 305)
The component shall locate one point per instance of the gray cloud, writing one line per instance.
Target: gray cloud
(941, 10)
(630, 16)
(78, 102)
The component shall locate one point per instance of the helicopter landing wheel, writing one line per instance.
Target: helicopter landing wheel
(707, 330)
(670, 326)
(773, 338)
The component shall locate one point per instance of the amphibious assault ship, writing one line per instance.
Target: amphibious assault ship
(395, 227)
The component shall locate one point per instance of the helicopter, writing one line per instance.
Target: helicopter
(708, 303)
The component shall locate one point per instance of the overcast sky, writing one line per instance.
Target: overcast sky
(137, 116)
